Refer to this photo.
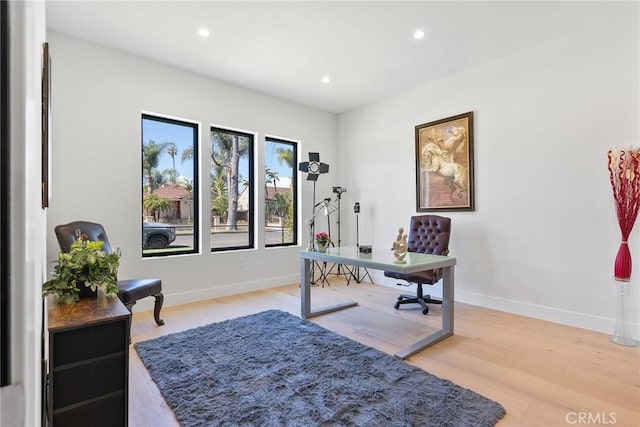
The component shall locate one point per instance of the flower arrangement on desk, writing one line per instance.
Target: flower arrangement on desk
(322, 240)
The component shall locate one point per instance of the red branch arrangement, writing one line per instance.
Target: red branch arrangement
(624, 173)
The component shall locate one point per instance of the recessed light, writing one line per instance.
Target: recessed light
(326, 79)
(418, 34)
(203, 32)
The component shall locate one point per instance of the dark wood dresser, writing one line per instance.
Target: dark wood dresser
(88, 363)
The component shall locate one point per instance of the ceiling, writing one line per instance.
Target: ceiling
(284, 48)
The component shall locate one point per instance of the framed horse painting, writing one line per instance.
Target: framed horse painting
(444, 164)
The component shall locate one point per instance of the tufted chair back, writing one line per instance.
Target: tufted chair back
(66, 234)
(429, 234)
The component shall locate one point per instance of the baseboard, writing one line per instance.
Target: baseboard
(551, 314)
(565, 317)
(12, 402)
(217, 292)
(571, 318)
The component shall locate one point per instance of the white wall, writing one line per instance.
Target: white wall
(544, 235)
(98, 96)
(20, 402)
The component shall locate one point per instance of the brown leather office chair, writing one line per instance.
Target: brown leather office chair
(428, 234)
(129, 291)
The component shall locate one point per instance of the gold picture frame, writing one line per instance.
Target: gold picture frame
(444, 164)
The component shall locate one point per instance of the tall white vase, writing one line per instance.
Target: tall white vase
(622, 333)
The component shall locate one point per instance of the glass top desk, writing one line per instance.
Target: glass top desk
(382, 260)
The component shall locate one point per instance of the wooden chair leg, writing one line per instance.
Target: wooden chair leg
(129, 307)
(158, 306)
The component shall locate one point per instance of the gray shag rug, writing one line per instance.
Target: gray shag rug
(275, 369)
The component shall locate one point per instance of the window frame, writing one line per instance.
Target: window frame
(195, 126)
(294, 189)
(251, 232)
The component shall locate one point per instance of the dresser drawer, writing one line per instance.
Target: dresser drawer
(107, 412)
(88, 342)
(87, 381)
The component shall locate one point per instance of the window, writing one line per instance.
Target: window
(231, 190)
(280, 204)
(169, 186)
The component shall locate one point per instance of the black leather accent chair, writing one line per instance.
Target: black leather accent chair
(129, 291)
(428, 234)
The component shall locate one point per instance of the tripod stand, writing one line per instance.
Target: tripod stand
(311, 222)
(341, 270)
(355, 273)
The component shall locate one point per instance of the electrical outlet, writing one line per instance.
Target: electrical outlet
(241, 263)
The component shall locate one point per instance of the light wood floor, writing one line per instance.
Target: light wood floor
(544, 374)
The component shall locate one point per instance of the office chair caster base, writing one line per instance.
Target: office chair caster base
(409, 299)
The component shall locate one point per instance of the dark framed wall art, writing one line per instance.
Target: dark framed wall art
(46, 116)
(444, 164)
(5, 236)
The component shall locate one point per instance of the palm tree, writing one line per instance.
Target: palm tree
(219, 202)
(159, 179)
(172, 151)
(150, 157)
(187, 154)
(285, 155)
(219, 206)
(188, 185)
(233, 191)
(272, 177)
(284, 208)
(171, 175)
(282, 203)
(155, 204)
(226, 150)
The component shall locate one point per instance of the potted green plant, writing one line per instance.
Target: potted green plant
(85, 266)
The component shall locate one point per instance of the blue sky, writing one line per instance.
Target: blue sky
(182, 137)
(271, 159)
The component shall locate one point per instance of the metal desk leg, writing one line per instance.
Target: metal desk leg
(447, 300)
(447, 319)
(305, 294)
(305, 300)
